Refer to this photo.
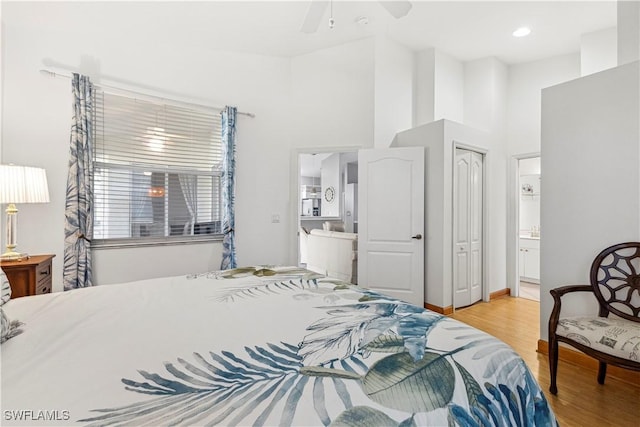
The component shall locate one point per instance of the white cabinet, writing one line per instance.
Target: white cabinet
(530, 260)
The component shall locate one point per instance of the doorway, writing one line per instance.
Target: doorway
(325, 193)
(528, 252)
(468, 207)
(386, 179)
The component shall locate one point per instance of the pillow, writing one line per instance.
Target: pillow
(10, 328)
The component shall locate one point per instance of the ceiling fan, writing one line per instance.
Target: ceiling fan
(397, 9)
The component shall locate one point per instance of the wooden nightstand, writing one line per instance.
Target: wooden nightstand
(31, 276)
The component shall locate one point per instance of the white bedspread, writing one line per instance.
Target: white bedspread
(291, 348)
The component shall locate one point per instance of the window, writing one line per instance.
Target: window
(157, 171)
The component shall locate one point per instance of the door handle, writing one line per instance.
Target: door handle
(417, 236)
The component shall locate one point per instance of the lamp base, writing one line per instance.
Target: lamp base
(13, 256)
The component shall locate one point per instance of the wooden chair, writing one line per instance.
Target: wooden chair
(615, 282)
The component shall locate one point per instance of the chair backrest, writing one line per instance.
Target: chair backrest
(615, 278)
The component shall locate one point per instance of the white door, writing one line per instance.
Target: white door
(467, 228)
(391, 222)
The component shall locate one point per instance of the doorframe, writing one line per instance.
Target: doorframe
(485, 217)
(294, 192)
(513, 221)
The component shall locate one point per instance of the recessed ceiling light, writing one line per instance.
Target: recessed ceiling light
(521, 32)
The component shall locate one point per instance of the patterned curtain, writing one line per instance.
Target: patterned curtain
(78, 229)
(189, 187)
(228, 188)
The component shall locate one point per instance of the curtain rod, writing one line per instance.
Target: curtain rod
(67, 76)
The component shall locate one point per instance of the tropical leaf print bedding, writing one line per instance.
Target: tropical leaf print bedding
(315, 351)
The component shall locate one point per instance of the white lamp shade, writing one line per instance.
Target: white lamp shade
(23, 184)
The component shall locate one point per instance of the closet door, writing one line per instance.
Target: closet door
(467, 227)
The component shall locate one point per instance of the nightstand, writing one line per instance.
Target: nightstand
(31, 276)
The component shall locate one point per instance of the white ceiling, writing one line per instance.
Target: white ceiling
(466, 30)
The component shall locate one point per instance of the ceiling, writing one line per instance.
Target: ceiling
(465, 30)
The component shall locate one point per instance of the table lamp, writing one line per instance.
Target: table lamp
(20, 184)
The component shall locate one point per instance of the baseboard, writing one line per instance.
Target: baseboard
(442, 310)
(580, 359)
(500, 293)
(449, 309)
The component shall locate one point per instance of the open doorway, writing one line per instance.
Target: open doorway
(528, 256)
(326, 195)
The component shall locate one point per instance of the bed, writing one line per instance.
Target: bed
(259, 345)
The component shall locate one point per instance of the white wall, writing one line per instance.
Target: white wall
(478, 94)
(591, 149)
(485, 108)
(330, 98)
(482, 88)
(323, 99)
(449, 88)
(333, 105)
(2, 43)
(598, 51)
(393, 90)
(628, 12)
(333, 96)
(423, 86)
(438, 87)
(485, 95)
(36, 120)
(525, 84)
(529, 166)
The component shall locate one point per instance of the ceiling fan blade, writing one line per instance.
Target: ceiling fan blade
(314, 16)
(397, 9)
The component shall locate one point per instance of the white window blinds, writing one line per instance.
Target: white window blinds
(156, 171)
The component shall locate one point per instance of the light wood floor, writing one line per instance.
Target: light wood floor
(530, 291)
(581, 401)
